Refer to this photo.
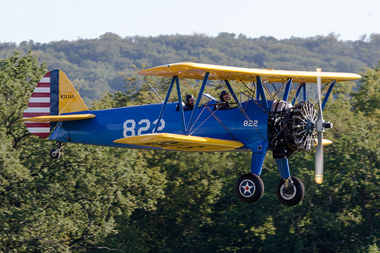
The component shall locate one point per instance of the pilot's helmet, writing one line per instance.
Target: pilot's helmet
(221, 97)
(188, 96)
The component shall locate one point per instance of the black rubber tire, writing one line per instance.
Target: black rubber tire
(54, 156)
(293, 195)
(249, 188)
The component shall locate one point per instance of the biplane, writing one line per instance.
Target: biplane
(275, 114)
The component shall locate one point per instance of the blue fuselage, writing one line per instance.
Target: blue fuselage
(112, 124)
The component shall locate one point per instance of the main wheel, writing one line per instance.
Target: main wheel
(249, 188)
(55, 153)
(291, 195)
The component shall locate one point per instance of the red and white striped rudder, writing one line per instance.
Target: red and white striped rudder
(39, 105)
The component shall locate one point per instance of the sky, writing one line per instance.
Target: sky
(49, 20)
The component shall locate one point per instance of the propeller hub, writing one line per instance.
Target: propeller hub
(310, 125)
(319, 126)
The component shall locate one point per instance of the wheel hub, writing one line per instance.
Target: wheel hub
(247, 188)
(289, 192)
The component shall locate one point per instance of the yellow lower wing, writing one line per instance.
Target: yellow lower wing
(54, 118)
(181, 142)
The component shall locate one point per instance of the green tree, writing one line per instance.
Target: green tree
(18, 77)
(69, 204)
(368, 96)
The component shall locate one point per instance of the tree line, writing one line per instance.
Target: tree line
(94, 65)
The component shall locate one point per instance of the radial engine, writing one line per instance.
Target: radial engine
(292, 128)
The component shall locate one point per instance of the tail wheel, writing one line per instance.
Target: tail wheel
(55, 153)
(249, 188)
(292, 194)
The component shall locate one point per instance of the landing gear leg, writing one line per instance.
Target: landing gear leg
(56, 153)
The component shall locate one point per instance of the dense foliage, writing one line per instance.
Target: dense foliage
(99, 199)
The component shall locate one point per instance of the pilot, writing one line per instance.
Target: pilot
(190, 100)
(223, 104)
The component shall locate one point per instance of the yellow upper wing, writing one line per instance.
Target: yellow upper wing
(197, 71)
(181, 142)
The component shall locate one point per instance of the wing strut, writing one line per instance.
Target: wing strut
(180, 105)
(260, 88)
(197, 102)
(165, 103)
(257, 92)
(328, 94)
(302, 86)
(287, 89)
(304, 92)
(233, 94)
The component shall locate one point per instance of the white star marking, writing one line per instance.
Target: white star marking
(247, 188)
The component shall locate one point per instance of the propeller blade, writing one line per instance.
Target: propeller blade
(319, 129)
(319, 160)
(319, 84)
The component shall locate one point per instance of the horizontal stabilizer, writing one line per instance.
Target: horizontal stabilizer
(55, 118)
(325, 142)
(181, 142)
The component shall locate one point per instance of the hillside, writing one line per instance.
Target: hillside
(94, 65)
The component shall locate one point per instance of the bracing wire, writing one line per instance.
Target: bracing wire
(68, 103)
(295, 91)
(217, 119)
(323, 93)
(247, 117)
(155, 91)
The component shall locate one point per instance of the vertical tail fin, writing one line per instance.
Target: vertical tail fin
(53, 95)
